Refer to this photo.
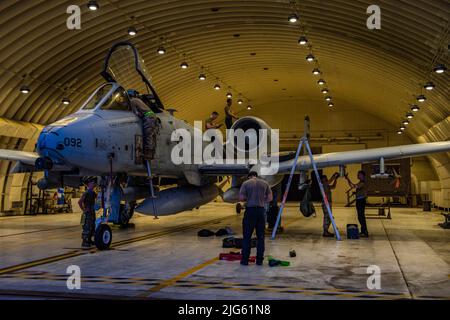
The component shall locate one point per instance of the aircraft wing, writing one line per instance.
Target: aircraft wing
(366, 155)
(335, 158)
(25, 157)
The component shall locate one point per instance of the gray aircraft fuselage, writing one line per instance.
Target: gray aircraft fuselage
(88, 139)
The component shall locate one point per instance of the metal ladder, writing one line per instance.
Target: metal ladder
(152, 190)
(304, 142)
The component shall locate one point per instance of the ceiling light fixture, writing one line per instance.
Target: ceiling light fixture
(184, 65)
(132, 31)
(302, 41)
(409, 115)
(25, 89)
(316, 71)
(429, 85)
(240, 101)
(415, 108)
(321, 82)
(331, 104)
(65, 101)
(229, 95)
(405, 122)
(440, 68)
(161, 50)
(402, 128)
(249, 107)
(399, 132)
(421, 98)
(202, 77)
(217, 86)
(325, 91)
(93, 5)
(328, 98)
(310, 58)
(293, 18)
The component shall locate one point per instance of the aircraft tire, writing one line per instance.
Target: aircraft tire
(103, 237)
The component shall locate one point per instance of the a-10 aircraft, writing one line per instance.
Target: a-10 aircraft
(104, 139)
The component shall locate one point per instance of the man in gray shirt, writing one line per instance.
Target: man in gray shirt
(257, 193)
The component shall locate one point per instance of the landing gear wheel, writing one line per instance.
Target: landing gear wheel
(103, 237)
(238, 208)
(126, 213)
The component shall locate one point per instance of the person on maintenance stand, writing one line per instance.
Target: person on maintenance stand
(328, 185)
(87, 205)
(149, 124)
(257, 193)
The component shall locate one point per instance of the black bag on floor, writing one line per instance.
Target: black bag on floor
(238, 243)
(228, 242)
(205, 233)
(352, 231)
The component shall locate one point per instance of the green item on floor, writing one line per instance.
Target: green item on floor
(275, 262)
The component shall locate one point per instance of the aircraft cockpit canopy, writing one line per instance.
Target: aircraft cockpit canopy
(108, 97)
(124, 66)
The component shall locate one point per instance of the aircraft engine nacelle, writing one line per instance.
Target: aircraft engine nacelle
(178, 199)
(253, 139)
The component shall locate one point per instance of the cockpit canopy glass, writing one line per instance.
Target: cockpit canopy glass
(124, 64)
(118, 101)
(106, 100)
(97, 97)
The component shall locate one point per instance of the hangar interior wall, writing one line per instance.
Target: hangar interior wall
(14, 185)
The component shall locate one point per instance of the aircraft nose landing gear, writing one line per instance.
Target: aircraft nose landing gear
(103, 236)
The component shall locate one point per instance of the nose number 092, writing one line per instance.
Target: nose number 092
(72, 142)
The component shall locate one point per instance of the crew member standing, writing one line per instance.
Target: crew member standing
(328, 185)
(87, 205)
(361, 195)
(229, 115)
(257, 193)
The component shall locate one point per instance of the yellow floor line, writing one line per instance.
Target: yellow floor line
(173, 280)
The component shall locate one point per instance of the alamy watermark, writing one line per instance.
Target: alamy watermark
(374, 280)
(73, 282)
(255, 147)
(373, 22)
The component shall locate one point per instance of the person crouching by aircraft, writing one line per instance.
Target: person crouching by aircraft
(149, 124)
(210, 123)
(257, 193)
(361, 195)
(328, 185)
(87, 205)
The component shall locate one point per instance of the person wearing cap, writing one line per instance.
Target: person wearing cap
(256, 193)
(149, 124)
(87, 205)
(229, 115)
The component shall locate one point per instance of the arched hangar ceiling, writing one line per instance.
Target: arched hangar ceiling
(247, 45)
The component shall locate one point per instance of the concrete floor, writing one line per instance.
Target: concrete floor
(164, 258)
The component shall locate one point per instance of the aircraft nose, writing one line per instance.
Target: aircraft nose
(49, 142)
